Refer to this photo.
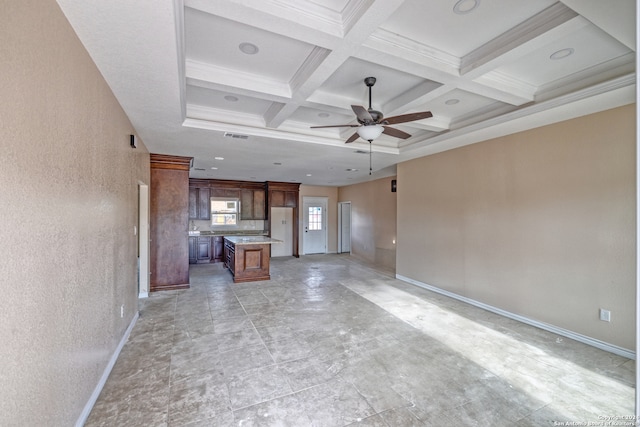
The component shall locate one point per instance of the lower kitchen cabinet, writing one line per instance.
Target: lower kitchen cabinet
(203, 248)
(217, 243)
(206, 249)
(193, 241)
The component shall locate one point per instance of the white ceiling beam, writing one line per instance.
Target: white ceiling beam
(535, 26)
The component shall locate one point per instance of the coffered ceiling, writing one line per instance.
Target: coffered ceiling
(246, 80)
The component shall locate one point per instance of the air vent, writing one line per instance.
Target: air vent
(361, 152)
(199, 169)
(235, 135)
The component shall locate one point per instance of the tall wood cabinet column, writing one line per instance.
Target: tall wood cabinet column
(169, 218)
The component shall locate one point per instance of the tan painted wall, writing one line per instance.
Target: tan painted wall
(539, 223)
(373, 221)
(68, 181)
(332, 214)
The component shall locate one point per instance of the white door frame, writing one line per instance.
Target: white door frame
(143, 240)
(340, 219)
(324, 201)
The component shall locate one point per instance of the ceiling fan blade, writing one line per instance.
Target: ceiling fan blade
(334, 126)
(407, 118)
(362, 114)
(395, 132)
(352, 138)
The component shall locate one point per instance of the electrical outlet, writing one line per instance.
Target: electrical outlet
(122, 311)
(605, 315)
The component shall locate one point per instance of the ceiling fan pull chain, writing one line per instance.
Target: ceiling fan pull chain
(370, 157)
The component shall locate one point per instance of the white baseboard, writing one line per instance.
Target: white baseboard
(620, 351)
(105, 375)
(143, 295)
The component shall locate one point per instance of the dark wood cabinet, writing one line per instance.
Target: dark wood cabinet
(290, 199)
(193, 242)
(248, 262)
(230, 256)
(199, 203)
(217, 243)
(203, 250)
(252, 204)
(168, 222)
(206, 249)
(283, 199)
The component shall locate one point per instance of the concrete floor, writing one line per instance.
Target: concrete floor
(329, 341)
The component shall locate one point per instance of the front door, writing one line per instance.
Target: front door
(315, 225)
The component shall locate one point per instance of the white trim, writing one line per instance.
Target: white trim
(105, 375)
(547, 327)
(143, 295)
(637, 395)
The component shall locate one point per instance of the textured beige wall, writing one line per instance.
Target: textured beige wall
(373, 221)
(539, 223)
(68, 181)
(332, 215)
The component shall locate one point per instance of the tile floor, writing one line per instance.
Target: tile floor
(329, 341)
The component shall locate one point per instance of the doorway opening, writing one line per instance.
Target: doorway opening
(143, 240)
(344, 227)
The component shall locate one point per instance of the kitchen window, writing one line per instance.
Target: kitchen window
(224, 211)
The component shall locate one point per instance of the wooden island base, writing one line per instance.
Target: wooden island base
(248, 259)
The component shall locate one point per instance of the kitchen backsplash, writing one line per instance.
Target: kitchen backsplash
(205, 225)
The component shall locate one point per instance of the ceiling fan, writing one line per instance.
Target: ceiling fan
(372, 123)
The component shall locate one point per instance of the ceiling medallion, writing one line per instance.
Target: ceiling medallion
(248, 48)
(465, 6)
(452, 101)
(562, 53)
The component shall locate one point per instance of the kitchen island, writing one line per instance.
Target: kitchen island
(247, 257)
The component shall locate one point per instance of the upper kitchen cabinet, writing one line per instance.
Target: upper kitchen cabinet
(199, 203)
(252, 204)
(252, 196)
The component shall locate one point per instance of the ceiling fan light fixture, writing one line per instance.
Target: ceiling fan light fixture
(370, 132)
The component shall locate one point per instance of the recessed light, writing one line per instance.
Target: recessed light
(278, 164)
(308, 174)
(324, 115)
(231, 98)
(214, 168)
(219, 158)
(248, 48)
(562, 53)
(451, 101)
(351, 170)
(465, 6)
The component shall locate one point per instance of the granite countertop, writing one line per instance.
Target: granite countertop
(228, 233)
(251, 240)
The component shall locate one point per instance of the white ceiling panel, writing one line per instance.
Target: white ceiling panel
(214, 40)
(435, 24)
(177, 70)
(586, 48)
